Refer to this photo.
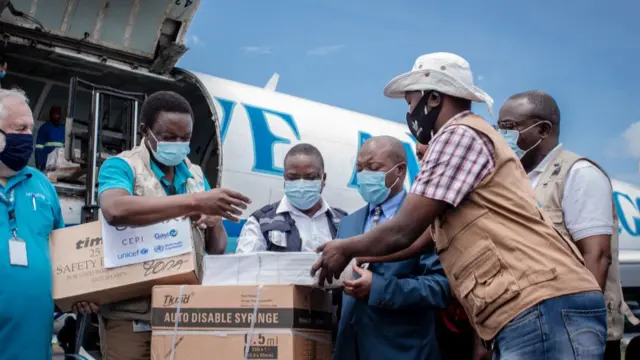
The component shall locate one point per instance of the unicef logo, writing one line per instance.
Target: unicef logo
(158, 248)
(173, 232)
(144, 251)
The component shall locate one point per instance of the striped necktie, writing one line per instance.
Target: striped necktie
(377, 214)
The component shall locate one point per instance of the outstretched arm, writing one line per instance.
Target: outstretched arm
(423, 245)
(444, 181)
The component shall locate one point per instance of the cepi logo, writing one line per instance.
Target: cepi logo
(132, 254)
(168, 234)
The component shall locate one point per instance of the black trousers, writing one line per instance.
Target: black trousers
(612, 351)
(454, 346)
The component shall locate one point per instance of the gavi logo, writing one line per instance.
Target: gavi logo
(166, 235)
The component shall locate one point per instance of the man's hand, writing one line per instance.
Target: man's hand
(204, 222)
(86, 308)
(361, 287)
(332, 262)
(221, 202)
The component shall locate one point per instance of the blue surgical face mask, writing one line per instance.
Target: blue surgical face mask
(372, 185)
(512, 136)
(170, 153)
(303, 194)
(17, 151)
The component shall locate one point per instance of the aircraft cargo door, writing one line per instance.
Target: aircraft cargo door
(147, 33)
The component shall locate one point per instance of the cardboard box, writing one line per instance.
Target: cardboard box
(220, 346)
(290, 322)
(79, 274)
(267, 268)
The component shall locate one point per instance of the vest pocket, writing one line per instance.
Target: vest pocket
(444, 232)
(484, 284)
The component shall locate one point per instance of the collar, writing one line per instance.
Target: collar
(451, 122)
(285, 206)
(391, 205)
(547, 160)
(181, 170)
(16, 179)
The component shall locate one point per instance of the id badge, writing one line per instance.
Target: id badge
(18, 252)
(141, 326)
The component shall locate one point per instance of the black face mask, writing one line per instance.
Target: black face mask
(17, 151)
(421, 122)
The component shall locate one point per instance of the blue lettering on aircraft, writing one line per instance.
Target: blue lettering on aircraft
(264, 140)
(227, 110)
(413, 166)
(629, 223)
(362, 137)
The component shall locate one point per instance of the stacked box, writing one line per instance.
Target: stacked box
(79, 273)
(283, 322)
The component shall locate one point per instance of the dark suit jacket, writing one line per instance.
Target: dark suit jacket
(398, 321)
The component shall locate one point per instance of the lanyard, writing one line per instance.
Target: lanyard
(10, 202)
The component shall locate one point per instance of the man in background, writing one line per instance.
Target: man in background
(574, 192)
(457, 340)
(50, 137)
(389, 311)
(302, 220)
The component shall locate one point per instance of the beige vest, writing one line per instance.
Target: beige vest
(501, 254)
(147, 184)
(549, 191)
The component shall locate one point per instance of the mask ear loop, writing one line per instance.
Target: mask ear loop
(398, 178)
(531, 127)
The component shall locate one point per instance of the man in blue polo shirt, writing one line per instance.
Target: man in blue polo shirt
(29, 211)
(154, 182)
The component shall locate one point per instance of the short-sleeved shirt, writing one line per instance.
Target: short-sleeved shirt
(587, 199)
(26, 299)
(115, 173)
(458, 159)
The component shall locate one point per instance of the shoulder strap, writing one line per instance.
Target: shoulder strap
(334, 215)
(265, 211)
(339, 212)
(270, 221)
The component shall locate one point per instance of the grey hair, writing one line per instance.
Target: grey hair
(4, 95)
(11, 93)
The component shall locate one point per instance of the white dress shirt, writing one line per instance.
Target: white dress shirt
(314, 231)
(587, 200)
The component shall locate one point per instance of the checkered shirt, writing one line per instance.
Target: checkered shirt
(458, 159)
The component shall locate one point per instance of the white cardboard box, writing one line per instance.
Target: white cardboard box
(266, 268)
